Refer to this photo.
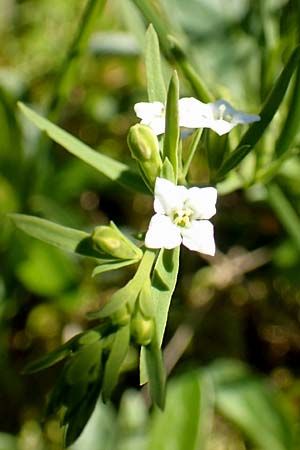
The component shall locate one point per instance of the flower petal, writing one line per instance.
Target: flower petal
(192, 113)
(168, 196)
(162, 233)
(220, 126)
(199, 237)
(202, 201)
(146, 110)
(223, 117)
(152, 114)
(240, 117)
(157, 124)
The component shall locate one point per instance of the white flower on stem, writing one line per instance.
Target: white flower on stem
(181, 216)
(219, 116)
(153, 114)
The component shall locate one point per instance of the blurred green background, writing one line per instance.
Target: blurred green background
(234, 321)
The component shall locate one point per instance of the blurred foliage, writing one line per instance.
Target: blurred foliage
(233, 337)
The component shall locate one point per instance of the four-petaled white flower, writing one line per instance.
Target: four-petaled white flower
(181, 216)
(219, 116)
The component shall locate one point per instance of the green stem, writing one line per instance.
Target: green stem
(285, 212)
(170, 48)
(191, 152)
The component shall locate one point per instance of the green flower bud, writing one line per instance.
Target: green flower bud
(144, 147)
(121, 317)
(142, 329)
(110, 240)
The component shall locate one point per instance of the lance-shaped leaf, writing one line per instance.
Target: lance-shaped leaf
(185, 415)
(63, 351)
(271, 105)
(118, 300)
(112, 169)
(66, 238)
(163, 284)
(80, 415)
(172, 50)
(252, 405)
(48, 360)
(292, 123)
(128, 294)
(155, 82)
(85, 364)
(114, 361)
(114, 265)
(156, 372)
(172, 131)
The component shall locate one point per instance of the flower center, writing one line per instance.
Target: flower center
(182, 217)
(161, 112)
(221, 113)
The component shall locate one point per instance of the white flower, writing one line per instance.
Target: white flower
(152, 114)
(182, 217)
(219, 116)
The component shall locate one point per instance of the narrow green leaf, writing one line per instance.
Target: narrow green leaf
(157, 17)
(285, 212)
(250, 403)
(163, 284)
(292, 123)
(80, 415)
(191, 152)
(114, 362)
(172, 133)
(113, 265)
(56, 398)
(128, 293)
(155, 82)
(85, 364)
(87, 337)
(118, 299)
(153, 13)
(178, 427)
(112, 169)
(48, 360)
(233, 160)
(66, 238)
(156, 373)
(271, 105)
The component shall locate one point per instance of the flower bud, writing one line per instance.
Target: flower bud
(121, 317)
(142, 329)
(144, 147)
(110, 240)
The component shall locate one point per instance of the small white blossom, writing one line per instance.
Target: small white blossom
(222, 117)
(181, 216)
(219, 116)
(153, 114)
